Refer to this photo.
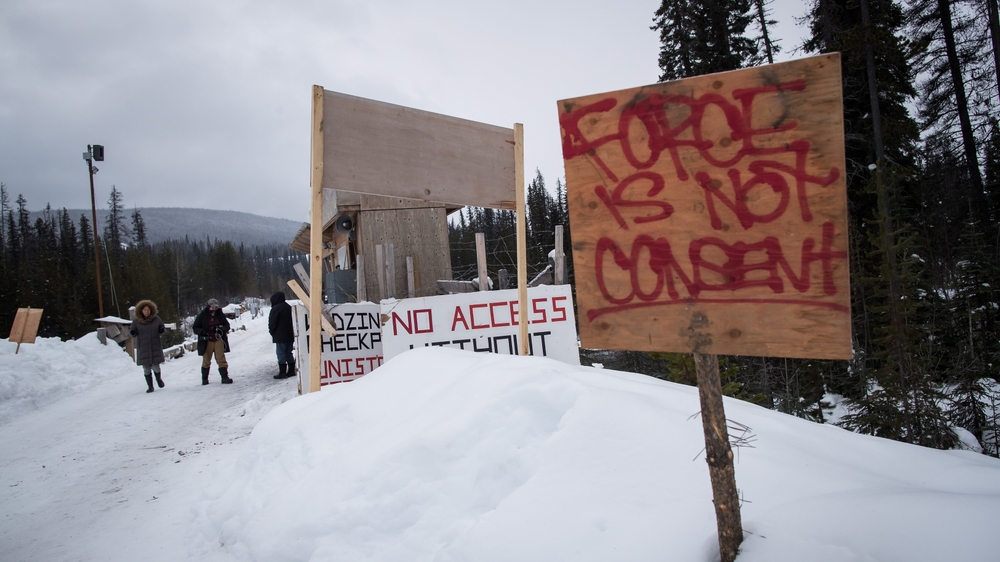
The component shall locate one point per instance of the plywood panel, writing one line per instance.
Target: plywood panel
(420, 233)
(385, 149)
(713, 210)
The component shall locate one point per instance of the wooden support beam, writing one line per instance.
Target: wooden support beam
(559, 275)
(362, 291)
(522, 246)
(390, 272)
(484, 280)
(719, 455)
(302, 296)
(411, 289)
(316, 238)
(380, 270)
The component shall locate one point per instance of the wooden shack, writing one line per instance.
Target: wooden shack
(381, 233)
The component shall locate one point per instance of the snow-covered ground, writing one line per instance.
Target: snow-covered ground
(444, 455)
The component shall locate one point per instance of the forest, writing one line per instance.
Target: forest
(921, 86)
(51, 264)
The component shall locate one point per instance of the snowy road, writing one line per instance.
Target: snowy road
(111, 473)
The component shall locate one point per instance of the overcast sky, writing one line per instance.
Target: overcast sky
(206, 103)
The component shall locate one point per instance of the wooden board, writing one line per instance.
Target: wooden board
(25, 326)
(713, 211)
(420, 231)
(385, 149)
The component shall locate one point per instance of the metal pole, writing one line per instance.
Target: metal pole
(93, 211)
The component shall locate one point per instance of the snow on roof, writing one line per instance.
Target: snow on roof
(231, 308)
(113, 320)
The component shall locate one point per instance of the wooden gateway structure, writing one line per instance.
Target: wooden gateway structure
(378, 247)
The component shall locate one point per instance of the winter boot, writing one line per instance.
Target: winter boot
(224, 371)
(291, 370)
(149, 383)
(159, 381)
(204, 375)
(281, 371)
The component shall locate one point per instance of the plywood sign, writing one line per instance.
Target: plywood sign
(25, 326)
(353, 352)
(710, 214)
(384, 149)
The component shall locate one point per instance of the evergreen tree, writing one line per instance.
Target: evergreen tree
(943, 58)
(704, 36)
(766, 44)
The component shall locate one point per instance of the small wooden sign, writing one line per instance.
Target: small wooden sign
(25, 326)
(711, 212)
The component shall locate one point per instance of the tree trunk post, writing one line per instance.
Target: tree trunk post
(719, 456)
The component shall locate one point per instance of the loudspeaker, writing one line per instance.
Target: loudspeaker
(98, 151)
(344, 224)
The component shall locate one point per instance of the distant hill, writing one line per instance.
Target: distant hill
(174, 223)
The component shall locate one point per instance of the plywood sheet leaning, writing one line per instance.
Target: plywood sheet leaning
(713, 208)
(384, 149)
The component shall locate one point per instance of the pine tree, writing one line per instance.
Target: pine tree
(703, 36)
(945, 108)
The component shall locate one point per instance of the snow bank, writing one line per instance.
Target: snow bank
(50, 369)
(449, 455)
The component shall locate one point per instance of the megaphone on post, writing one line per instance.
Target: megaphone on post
(344, 224)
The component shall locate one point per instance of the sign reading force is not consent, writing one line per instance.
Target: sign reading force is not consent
(711, 213)
(485, 321)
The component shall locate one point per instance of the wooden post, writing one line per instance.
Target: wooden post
(522, 245)
(503, 279)
(362, 295)
(380, 270)
(719, 456)
(411, 289)
(324, 321)
(484, 280)
(93, 214)
(316, 240)
(390, 272)
(559, 275)
(303, 276)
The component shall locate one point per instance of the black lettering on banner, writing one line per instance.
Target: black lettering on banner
(511, 344)
(487, 349)
(376, 337)
(461, 343)
(541, 337)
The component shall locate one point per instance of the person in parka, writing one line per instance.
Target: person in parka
(212, 329)
(279, 324)
(146, 329)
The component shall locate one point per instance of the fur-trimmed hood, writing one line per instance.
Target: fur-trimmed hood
(138, 311)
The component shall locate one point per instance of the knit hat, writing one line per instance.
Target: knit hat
(213, 302)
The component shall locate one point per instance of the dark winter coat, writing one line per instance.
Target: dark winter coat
(146, 330)
(201, 329)
(279, 323)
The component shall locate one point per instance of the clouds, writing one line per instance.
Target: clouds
(207, 103)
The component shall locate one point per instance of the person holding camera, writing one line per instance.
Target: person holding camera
(212, 329)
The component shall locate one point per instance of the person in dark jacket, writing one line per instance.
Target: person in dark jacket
(146, 329)
(212, 329)
(279, 323)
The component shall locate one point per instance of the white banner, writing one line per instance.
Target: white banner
(484, 321)
(355, 351)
